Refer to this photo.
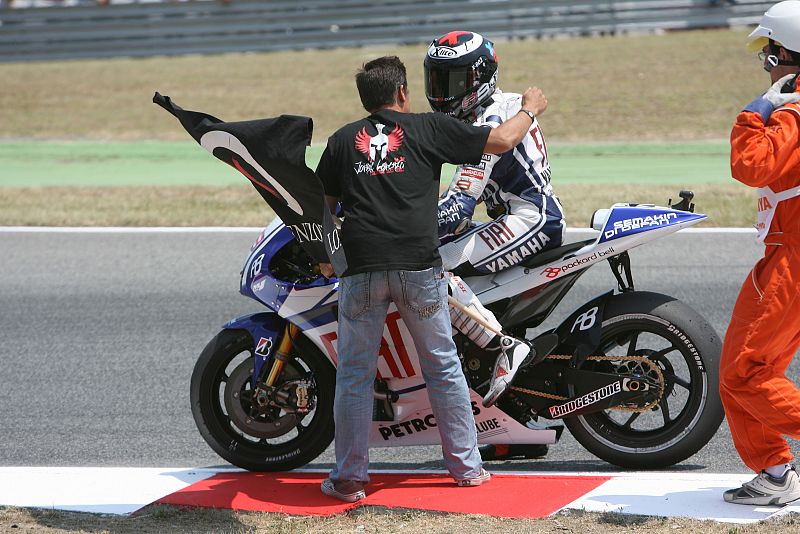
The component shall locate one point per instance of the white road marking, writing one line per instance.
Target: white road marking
(254, 229)
(122, 490)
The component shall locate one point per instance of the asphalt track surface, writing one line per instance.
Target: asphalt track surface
(100, 331)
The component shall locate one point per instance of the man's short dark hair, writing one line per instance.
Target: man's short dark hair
(378, 81)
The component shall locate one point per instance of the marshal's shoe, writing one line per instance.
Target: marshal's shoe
(344, 490)
(765, 490)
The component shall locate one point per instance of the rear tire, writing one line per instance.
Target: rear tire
(225, 358)
(687, 349)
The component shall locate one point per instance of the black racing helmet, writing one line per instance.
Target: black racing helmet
(460, 73)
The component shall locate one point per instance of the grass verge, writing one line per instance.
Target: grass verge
(240, 205)
(160, 518)
(43, 163)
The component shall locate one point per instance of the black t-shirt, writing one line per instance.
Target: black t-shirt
(385, 170)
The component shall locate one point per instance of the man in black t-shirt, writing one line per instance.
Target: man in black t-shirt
(385, 170)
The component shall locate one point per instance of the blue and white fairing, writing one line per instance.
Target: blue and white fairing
(257, 282)
(621, 227)
(625, 220)
(309, 304)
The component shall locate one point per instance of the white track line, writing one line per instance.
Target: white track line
(106, 490)
(120, 490)
(128, 229)
(250, 230)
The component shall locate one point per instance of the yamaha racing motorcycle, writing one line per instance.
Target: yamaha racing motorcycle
(633, 377)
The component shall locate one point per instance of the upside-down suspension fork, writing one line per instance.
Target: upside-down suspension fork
(282, 354)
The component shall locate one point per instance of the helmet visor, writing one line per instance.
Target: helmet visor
(442, 83)
(757, 44)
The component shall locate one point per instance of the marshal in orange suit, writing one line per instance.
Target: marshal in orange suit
(762, 405)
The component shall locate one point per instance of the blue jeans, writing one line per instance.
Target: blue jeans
(421, 300)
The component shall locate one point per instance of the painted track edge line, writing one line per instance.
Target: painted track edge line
(677, 494)
(129, 229)
(256, 229)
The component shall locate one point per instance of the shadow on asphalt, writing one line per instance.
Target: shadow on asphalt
(499, 466)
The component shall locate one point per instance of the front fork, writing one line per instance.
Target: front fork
(282, 355)
(293, 396)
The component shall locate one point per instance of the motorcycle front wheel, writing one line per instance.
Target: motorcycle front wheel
(686, 349)
(221, 397)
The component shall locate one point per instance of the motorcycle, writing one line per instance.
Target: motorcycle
(633, 376)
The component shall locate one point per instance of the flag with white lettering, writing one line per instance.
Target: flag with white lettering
(270, 153)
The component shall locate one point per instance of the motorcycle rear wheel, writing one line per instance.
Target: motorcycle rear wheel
(687, 349)
(224, 358)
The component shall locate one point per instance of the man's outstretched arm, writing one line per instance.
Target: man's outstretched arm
(511, 132)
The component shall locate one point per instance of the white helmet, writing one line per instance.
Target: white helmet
(780, 23)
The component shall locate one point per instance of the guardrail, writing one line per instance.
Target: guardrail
(204, 27)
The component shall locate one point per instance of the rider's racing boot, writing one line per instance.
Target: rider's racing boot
(514, 353)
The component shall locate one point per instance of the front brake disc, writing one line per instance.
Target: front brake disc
(238, 403)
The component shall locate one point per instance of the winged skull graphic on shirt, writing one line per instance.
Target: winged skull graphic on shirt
(378, 144)
(378, 148)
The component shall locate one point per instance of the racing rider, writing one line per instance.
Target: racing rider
(461, 81)
(761, 403)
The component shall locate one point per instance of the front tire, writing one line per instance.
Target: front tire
(259, 443)
(687, 349)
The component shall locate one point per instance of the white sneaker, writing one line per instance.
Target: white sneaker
(513, 353)
(764, 490)
(482, 478)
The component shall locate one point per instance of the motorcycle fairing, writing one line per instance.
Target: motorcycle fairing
(257, 281)
(415, 424)
(264, 328)
(531, 307)
(311, 307)
(397, 355)
(629, 219)
(511, 282)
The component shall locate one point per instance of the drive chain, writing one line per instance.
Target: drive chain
(641, 359)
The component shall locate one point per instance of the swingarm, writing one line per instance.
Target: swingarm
(578, 378)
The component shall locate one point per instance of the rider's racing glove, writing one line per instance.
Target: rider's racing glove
(455, 214)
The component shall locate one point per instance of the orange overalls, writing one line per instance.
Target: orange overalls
(761, 404)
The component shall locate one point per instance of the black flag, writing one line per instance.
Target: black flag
(271, 154)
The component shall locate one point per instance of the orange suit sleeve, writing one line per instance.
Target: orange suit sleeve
(763, 153)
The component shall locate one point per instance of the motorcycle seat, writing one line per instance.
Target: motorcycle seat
(554, 253)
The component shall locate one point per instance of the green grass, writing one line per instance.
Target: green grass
(111, 164)
(171, 163)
